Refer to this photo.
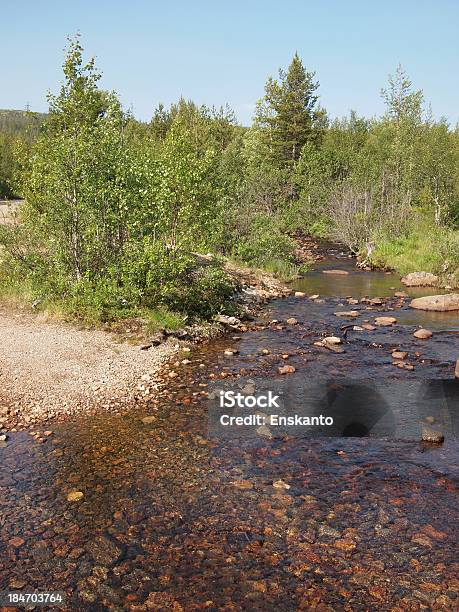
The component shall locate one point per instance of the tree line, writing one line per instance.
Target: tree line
(115, 209)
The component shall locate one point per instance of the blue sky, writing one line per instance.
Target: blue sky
(218, 52)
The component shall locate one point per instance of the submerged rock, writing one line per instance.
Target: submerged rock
(432, 435)
(286, 369)
(343, 272)
(105, 550)
(440, 303)
(420, 279)
(75, 496)
(399, 355)
(347, 313)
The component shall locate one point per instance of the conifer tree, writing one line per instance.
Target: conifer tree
(288, 115)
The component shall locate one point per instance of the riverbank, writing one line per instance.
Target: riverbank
(52, 370)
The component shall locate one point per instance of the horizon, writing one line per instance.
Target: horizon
(199, 54)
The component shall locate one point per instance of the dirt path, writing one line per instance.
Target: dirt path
(47, 369)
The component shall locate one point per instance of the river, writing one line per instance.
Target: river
(173, 518)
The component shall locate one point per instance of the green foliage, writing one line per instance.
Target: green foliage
(425, 248)
(162, 318)
(265, 242)
(117, 211)
(288, 116)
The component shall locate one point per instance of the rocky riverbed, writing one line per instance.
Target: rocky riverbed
(145, 510)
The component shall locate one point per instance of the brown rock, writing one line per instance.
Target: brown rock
(385, 321)
(300, 294)
(16, 541)
(345, 544)
(420, 279)
(161, 600)
(347, 313)
(342, 272)
(242, 484)
(423, 334)
(368, 327)
(399, 355)
(401, 294)
(105, 550)
(439, 303)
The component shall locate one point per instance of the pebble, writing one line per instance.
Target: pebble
(280, 484)
(403, 365)
(299, 294)
(399, 354)
(314, 297)
(75, 496)
(148, 420)
(231, 352)
(423, 334)
(292, 321)
(349, 313)
(286, 369)
(332, 340)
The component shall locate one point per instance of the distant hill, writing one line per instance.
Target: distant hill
(21, 122)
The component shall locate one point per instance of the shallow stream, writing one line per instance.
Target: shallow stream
(173, 519)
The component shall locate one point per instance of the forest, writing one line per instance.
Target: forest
(115, 209)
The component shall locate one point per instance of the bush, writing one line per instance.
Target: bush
(265, 239)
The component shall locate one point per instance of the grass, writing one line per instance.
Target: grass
(426, 249)
(281, 269)
(162, 318)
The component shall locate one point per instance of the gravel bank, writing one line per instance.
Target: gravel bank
(50, 370)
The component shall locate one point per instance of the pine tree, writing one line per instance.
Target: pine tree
(288, 114)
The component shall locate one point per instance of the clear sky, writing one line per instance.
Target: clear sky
(216, 52)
